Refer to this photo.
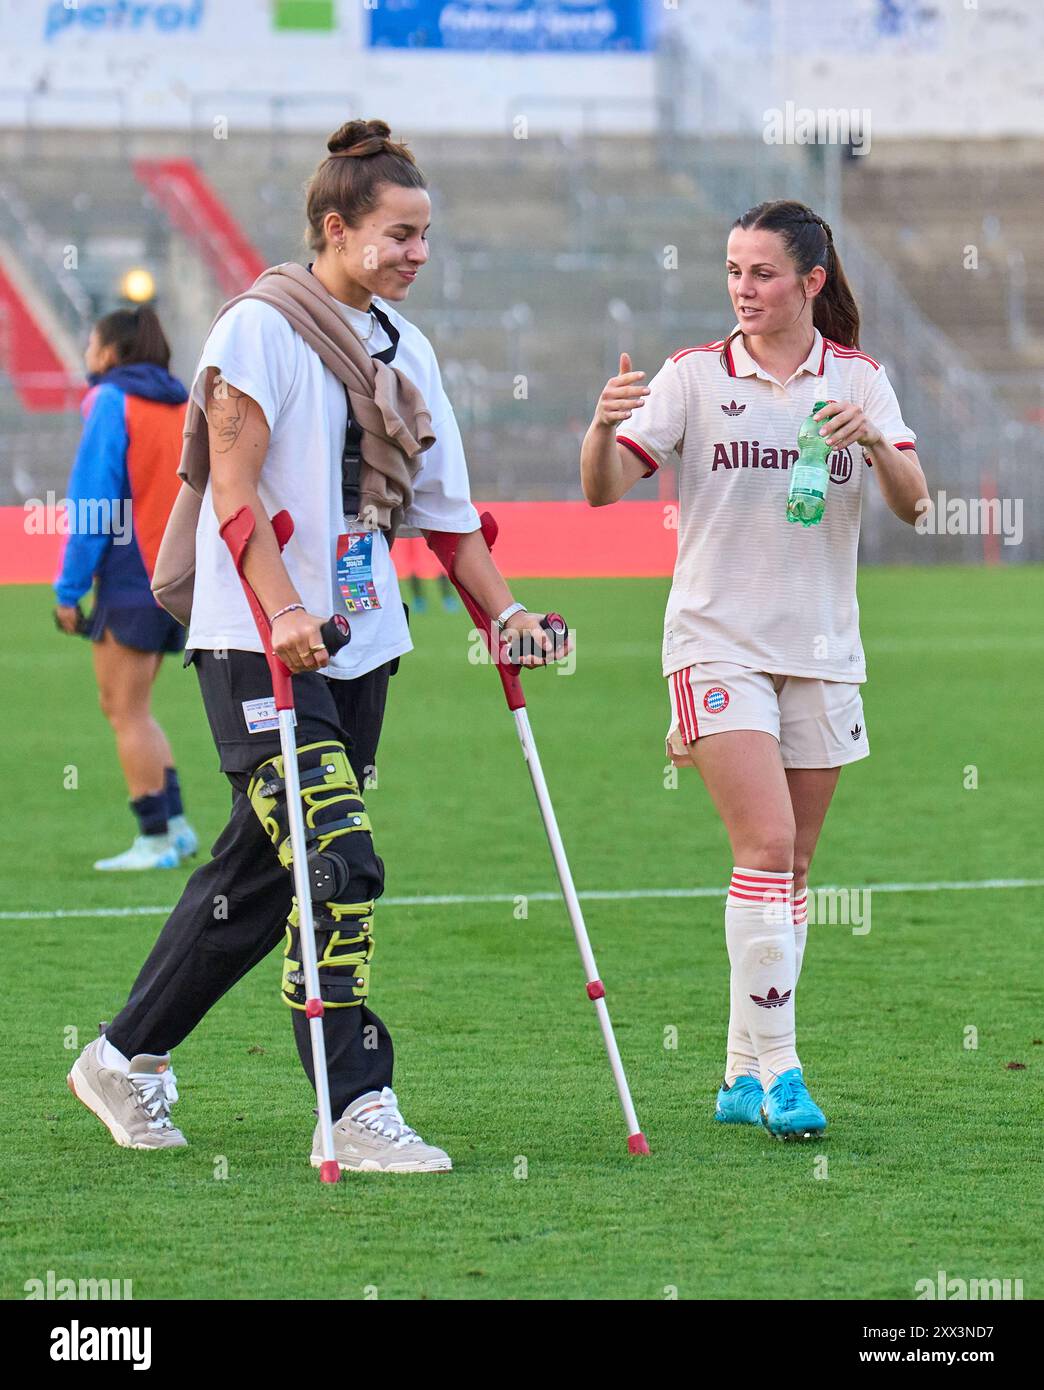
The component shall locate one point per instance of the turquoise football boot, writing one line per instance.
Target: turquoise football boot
(740, 1103)
(147, 852)
(788, 1111)
(186, 841)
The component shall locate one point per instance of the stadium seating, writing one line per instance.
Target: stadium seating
(549, 257)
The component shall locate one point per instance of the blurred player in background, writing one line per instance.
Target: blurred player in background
(123, 485)
(410, 554)
(761, 646)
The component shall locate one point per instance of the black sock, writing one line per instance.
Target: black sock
(172, 791)
(151, 811)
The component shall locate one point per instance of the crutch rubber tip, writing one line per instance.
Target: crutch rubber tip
(314, 1008)
(637, 1143)
(596, 990)
(330, 1171)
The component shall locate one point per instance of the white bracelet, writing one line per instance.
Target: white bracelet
(290, 608)
(509, 612)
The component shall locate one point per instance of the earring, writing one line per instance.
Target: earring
(339, 246)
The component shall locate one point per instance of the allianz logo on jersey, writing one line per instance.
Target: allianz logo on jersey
(750, 453)
(123, 16)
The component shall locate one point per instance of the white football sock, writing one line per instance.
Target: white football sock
(740, 1058)
(800, 909)
(112, 1057)
(759, 933)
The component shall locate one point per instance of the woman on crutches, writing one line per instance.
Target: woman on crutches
(313, 395)
(761, 645)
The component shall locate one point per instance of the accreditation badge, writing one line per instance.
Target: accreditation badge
(355, 571)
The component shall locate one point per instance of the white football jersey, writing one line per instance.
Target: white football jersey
(749, 586)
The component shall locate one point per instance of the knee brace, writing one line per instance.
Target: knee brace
(344, 873)
(343, 955)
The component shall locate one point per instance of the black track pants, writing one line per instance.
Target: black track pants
(233, 911)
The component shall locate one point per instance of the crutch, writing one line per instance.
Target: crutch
(236, 532)
(444, 544)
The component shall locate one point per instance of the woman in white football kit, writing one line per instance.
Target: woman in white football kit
(761, 646)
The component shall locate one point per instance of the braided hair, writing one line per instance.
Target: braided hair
(362, 158)
(809, 242)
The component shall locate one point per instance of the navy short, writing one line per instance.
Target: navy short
(146, 629)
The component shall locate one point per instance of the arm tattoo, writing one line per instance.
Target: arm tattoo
(227, 414)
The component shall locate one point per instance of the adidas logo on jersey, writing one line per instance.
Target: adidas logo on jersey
(733, 409)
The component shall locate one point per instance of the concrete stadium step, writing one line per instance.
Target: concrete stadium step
(920, 204)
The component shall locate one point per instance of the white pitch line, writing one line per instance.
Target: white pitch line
(592, 895)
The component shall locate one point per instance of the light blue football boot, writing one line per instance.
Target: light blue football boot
(185, 839)
(740, 1103)
(788, 1111)
(147, 852)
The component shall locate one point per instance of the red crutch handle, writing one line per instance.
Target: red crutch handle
(444, 544)
(236, 531)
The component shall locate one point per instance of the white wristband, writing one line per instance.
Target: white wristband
(509, 612)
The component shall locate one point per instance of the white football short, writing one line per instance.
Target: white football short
(817, 723)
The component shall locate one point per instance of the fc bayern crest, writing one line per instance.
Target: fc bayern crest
(716, 699)
(840, 466)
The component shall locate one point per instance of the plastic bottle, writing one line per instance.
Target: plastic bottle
(810, 475)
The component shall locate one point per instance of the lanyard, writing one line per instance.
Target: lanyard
(351, 454)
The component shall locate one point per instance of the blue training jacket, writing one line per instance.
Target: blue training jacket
(123, 485)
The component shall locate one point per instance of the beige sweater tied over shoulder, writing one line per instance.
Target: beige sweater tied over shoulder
(388, 408)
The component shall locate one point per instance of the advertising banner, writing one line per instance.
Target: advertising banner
(525, 26)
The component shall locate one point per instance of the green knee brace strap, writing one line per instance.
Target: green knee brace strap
(344, 954)
(333, 809)
(329, 796)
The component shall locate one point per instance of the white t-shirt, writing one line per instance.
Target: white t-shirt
(749, 586)
(257, 351)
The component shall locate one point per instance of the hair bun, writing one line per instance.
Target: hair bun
(359, 138)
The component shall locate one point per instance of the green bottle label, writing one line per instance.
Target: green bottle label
(809, 479)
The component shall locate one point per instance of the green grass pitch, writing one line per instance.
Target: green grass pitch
(933, 1145)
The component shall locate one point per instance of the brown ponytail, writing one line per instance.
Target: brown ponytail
(809, 242)
(136, 335)
(362, 157)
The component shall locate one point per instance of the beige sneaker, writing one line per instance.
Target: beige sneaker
(134, 1108)
(372, 1137)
